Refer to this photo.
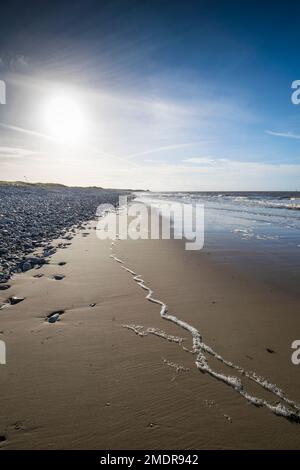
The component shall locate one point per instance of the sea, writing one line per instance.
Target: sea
(261, 229)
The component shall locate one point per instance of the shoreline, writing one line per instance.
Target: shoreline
(86, 381)
(286, 408)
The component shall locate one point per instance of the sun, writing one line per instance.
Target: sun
(64, 119)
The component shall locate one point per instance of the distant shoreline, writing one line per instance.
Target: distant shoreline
(63, 186)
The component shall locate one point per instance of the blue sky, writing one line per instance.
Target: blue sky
(174, 95)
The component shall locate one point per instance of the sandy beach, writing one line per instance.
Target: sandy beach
(89, 381)
(149, 232)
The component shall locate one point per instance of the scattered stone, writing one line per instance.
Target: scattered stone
(15, 300)
(62, 263)
(4, 286)
(36, 260)
(228, 418)
(39, 275)
(153, 425)
(57, 312)
(26, 266)
(2, 438)
(92, 305)
(271, 351)
(31, 216)
(58, 277)
(68, 237)
(54, 318)
(48, 253)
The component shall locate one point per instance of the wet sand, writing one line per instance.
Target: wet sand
(87, 381)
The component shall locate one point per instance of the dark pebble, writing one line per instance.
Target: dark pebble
(15, 300)
(4, 286)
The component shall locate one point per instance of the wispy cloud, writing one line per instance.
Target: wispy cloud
(26, 131)
(17, 63)
(162, 149)
(8, 153)
(225, 176)
(289, 135)
(206, 160)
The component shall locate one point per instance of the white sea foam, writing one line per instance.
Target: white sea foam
(139, 330)
(179, 368)
(292, 411)
(244, 233)
(247, 234)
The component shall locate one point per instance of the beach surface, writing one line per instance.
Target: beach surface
(111, 373)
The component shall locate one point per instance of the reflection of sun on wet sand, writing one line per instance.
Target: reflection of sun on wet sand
(109, 372)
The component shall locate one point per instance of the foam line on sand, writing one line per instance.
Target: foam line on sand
(286, 407)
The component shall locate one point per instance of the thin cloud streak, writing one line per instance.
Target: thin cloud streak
(289, 135)
(93, 149)
(27, 131)
(206, 160)
(8, 153)
(162, 149)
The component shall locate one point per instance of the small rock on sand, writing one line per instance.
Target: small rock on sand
(56, 312)
(58, 277)
(4, 286)
(15, 300)
(54, 318)
(271, 351)
(26, 266)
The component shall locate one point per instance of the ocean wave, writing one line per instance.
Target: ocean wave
(288, 201)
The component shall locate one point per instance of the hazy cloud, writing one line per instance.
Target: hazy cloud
(206, 160)
(8, 153)
(289, 135)
(18, 63)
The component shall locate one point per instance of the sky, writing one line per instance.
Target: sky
(159, 95)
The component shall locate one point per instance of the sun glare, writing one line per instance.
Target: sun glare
(64, 119)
